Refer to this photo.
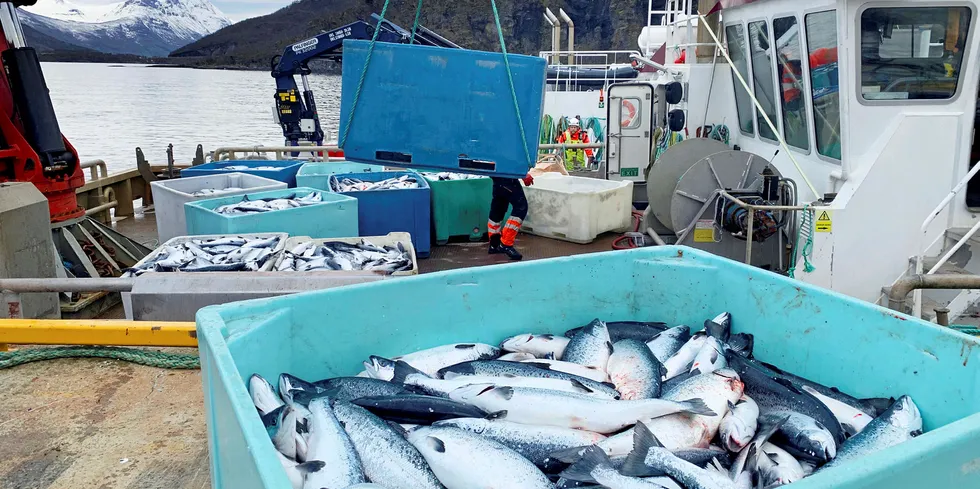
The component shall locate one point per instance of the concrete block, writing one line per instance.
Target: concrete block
(26, 248)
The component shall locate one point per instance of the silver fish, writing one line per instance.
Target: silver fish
(802, 436)
(350, 184)
(682, 360)
(540, 346)
(710, 357)
(593, 373)
(774, 466)
(534, 442)
(433, 359)
(453, 453)
(852, 419)
(516, 357)
(634, 370)
(495, 368)
(564, 409)
(290, 437)
(329, 443)
(405, 374)
(263, 394)
(385, 455)
(380, 368)
(898, 424)
(596, 467)
(739, 425)
(590, 347)
(668, 343)
(648, 453)
(296, 472)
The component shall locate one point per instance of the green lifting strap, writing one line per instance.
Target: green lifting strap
(415, 26)
(510, 78)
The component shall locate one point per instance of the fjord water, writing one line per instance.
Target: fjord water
(107, 110)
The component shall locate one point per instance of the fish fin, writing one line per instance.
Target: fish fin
(547, 336)
(582, 470)
(541, 365)
(505, 392)
(742, 343)
(609, 346)
(311, 466)
(580, 386)
(767, 427)
(549, 356)
(879, 404)
(572, 332)
(465, 346)
(303, 426)
(436, 444)
(568, 455)
(788, 384)
(714, 356)
(609, 384)
(403, 370)
(635, 463)
(697, 406)
(270, 418)
(731, 406)
(773, 368)
(397, 428)
(497, 415)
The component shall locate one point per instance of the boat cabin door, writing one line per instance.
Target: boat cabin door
(631, 121)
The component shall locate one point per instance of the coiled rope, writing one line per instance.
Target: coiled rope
(142, 357)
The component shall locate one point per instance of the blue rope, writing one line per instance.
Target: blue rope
(510, 78)
(360, 83)
(418, 15)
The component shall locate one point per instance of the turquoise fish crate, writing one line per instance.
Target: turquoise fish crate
(335, 217)
(861, 348)
(438, 108)
(386, 211)
(279, 170)
(316, 174)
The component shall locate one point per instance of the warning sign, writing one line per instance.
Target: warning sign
(704, 231)
(824, 224)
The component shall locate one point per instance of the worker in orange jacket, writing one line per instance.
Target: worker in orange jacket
(576, 158)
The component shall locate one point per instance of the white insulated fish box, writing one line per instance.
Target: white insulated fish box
(391, 239)
(577, 209)
(169, 196)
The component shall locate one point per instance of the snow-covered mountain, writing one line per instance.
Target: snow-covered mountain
(144, 27)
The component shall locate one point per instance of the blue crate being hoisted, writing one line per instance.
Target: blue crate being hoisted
(445, 109)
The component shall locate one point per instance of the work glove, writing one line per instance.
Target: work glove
(528, 180)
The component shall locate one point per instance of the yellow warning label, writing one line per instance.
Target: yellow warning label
(824, 224)
(704, 231)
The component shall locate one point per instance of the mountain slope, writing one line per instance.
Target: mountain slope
(143, 27)
(599, 24)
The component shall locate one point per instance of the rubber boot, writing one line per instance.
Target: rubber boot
(494, 245)
(511, 252)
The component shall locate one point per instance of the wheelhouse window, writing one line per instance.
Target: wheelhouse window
(760, 47)
(789, 68)
(912, 53)
(821, 41)
(743, 101)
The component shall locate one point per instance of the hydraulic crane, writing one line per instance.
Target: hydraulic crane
(295, 111)
(32, 148)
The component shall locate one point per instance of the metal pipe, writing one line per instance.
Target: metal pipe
(66, 284)
(572, 146)
(94, 166)
(952, 193)
(656, 237)
(571, 35)
(650, 62)
(555, 35)
(748, 237)
(942, 316)
(12, 29)
(102, 207)
(901, 288)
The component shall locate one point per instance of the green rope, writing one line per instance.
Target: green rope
(415, 27)
(143, 357)
(510, 77)
(595, 125)
(966, 329)
(360, 83)
(547, 135)
(806, 224)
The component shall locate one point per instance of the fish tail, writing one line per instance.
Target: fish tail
(581, 471)
(696, 406)
(311, 466)
(568, 455)
(635, 463)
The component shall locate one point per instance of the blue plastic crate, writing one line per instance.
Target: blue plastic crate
(316, 174)
(444, 109)
(285, 169)
(335, 217)
(863, 349)
(385, 211)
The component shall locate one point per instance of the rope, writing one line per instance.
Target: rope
(143, 357)
(510, 78)
(970, 330)
(360, 83)
(595, 125)
(548, 134)
(806, 226)
(418, 15)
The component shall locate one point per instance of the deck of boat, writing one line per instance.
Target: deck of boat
(106, 424)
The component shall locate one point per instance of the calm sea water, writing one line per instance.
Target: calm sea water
(106, 111)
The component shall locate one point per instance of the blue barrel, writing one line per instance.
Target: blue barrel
(441, 109)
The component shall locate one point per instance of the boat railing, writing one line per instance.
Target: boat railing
(925, 244)
(94, 167)
(565, 74)
(234, 153)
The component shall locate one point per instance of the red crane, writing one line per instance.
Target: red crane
(32, 148)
